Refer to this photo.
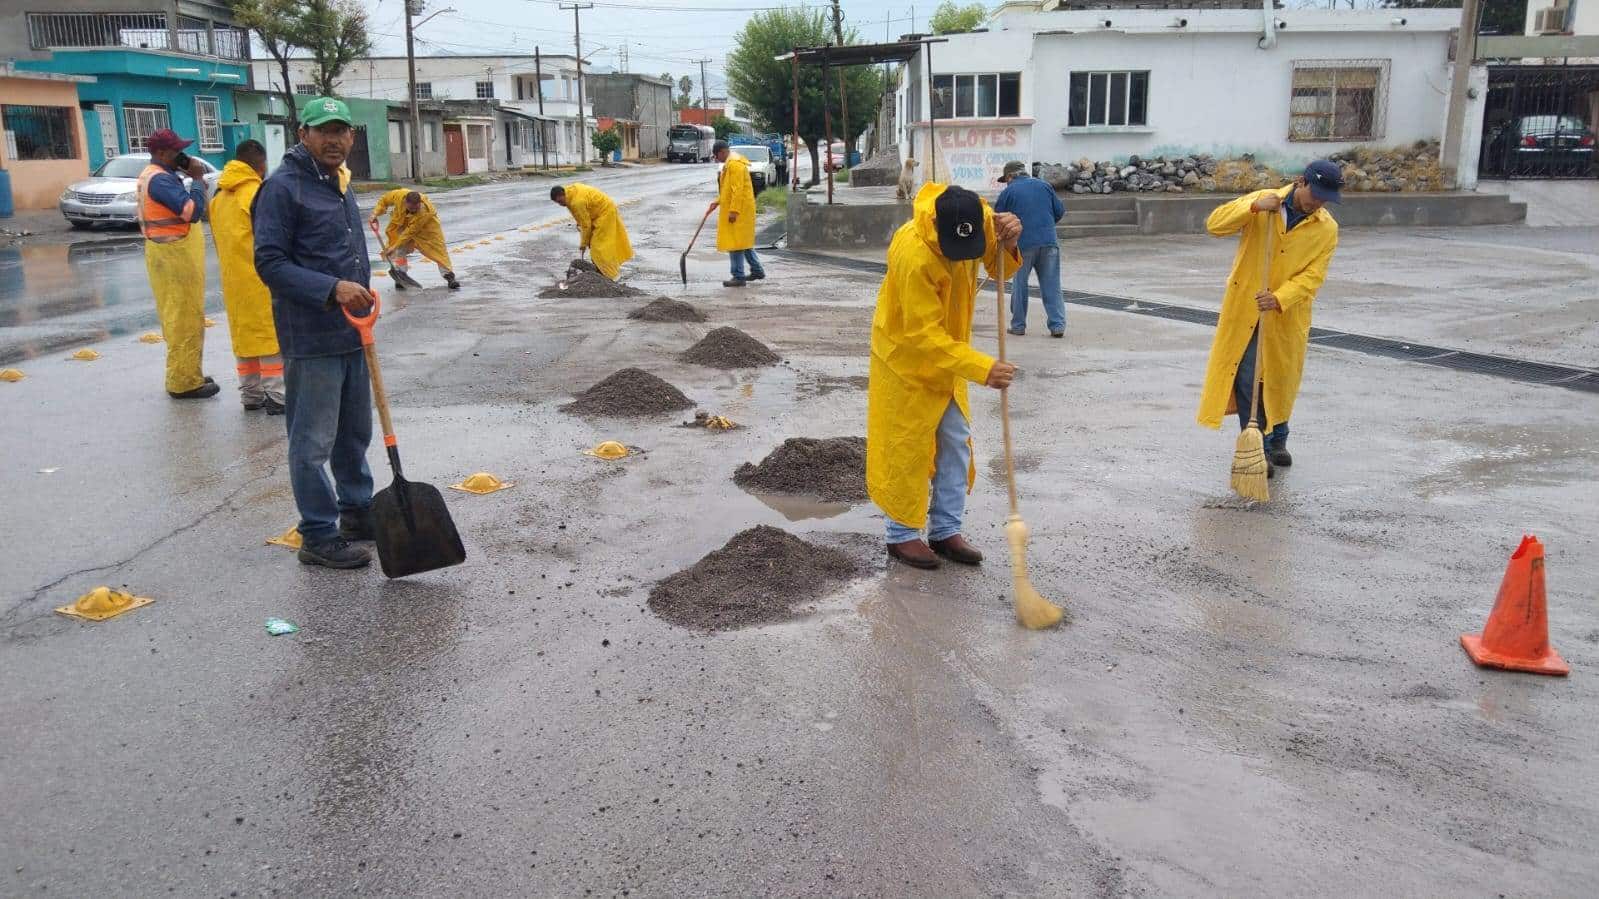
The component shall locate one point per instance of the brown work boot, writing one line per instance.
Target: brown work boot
(956, 549)
(913, 553)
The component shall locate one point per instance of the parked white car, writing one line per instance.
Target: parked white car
(110, 195)
(763, 171)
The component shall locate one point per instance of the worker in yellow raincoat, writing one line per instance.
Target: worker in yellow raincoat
(249, 303)
(413, 227)
(1271, 321)
(918, 422)
(735, 227)
(599, 226)
(174, 257)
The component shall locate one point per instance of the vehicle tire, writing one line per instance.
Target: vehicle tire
(79, 226)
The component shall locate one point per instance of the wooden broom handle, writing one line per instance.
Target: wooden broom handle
(1004, 394)
(1260, 320)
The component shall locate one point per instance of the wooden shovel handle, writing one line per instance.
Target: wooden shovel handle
(691, 241)
(363, 324)
(1004, 394)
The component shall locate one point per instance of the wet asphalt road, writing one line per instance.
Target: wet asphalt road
(1252, 701)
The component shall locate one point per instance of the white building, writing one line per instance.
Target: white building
(1563, 17)
(513, 81)
(1049, 84)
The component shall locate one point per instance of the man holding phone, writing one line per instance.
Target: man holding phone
(170, 213)
(310, 250)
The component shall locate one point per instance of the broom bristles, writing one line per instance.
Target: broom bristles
(1249, 466)
(1033, 611)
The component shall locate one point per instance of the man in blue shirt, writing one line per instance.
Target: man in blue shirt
(1037, 205)
(310, 251)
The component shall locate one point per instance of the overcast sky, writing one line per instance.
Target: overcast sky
(661, 36)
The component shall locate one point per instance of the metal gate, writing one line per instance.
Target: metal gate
(1540, 122)
(360, 161)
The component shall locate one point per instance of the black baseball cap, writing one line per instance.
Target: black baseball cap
(1325, 179)
(958, 218)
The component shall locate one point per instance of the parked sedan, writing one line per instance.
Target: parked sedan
(1546, 144)
(110, 195)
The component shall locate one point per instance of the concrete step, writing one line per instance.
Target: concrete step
(1123, 200)
(1069, 232)
(1099, 216)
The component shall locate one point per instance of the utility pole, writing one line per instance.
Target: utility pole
(838, 28)
(577, 40)
(544, 133)
(623, 54)
(1455, 123)
(411, 7)
(705, 103)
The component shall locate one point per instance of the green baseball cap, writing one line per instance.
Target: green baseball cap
(322, 110)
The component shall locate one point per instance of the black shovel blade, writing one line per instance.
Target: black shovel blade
(413, 529)
(682, 267)
(400, 276)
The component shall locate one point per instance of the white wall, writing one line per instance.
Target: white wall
(1583, 20)
(452, 78)
(1212, 89)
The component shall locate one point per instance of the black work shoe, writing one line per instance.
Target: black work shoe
(734, 282)
(1019, 332)
(1057, 334)
(756, 276)
(956, 549)
(208, 379)
(255, 406)
(450, 280)
(1278, 456)
(356, 525)
(272, 406)
(204, 391)
(335, 553)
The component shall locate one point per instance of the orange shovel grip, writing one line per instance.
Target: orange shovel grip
(363, 323)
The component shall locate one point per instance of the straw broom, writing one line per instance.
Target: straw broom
(1249, 456)
(1033, 611)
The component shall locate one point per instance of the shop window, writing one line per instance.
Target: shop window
(980, 96)
(1107, 99)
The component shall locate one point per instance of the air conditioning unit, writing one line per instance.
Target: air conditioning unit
(1549, 21)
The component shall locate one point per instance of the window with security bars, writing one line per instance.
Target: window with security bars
(142, 121)
(1107, 100)
(424, 90)
(980, 96)
(1338, 100)
(208, 115)
(39, 132)
(305, 90)
(476, 144)
(485, 90)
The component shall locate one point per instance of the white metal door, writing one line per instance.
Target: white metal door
(275, 146)
(108, 129)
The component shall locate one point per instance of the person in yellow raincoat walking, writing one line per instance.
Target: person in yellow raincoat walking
(249, 303)
(599, 226)
(1270, 322)
(413, 227)
(174, 257)
(735, 227)
(918, 421)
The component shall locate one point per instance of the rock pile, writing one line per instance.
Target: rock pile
(1160, 173)
(759, 577)
(1366, 169)
(630, 391)
(833, 469)
(666, 309)
(730, 348)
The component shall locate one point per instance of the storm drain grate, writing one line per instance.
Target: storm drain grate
(1523, 370)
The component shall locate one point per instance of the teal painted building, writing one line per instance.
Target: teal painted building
(137, 91)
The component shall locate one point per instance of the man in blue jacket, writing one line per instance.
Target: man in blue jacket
(311, 252)
(1037, 205)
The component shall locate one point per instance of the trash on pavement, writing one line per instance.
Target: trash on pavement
(277, 627)
(102, 603)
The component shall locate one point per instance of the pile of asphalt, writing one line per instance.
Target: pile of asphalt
(831, 469)
(666, 309)
(631, 391)
(730, 348)
(759, 577)
(589, 285)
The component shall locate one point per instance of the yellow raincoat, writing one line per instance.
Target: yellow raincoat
(735, 193)
(922, 358)
(248, 301)
(420, 231)
(599, 227)
(1298, 268)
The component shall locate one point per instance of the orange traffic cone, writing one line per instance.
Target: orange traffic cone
(1516, 637)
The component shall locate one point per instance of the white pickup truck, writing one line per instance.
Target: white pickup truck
(763, 171)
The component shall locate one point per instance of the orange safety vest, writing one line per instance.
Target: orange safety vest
(156, 221)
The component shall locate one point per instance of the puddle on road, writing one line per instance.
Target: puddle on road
(801, 508)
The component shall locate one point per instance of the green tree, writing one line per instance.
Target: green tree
(950, 18)
(331, 32)
(606, 142)
(724, 126)
(685, 92)
(274, 24)
(766, 85)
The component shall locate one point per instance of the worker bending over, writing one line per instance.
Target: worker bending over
(413, 227)
(599, 226)
(249, 303)
(1269, 324)
(170, 214)
(917, 417)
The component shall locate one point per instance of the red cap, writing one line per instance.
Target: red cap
(165, 139)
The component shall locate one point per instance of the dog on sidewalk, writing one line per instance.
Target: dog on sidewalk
(907, 180)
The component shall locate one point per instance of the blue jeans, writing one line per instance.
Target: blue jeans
(740, 257)
(328, 412)
(1046, 262)
(1244, 389)
(948, 503)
